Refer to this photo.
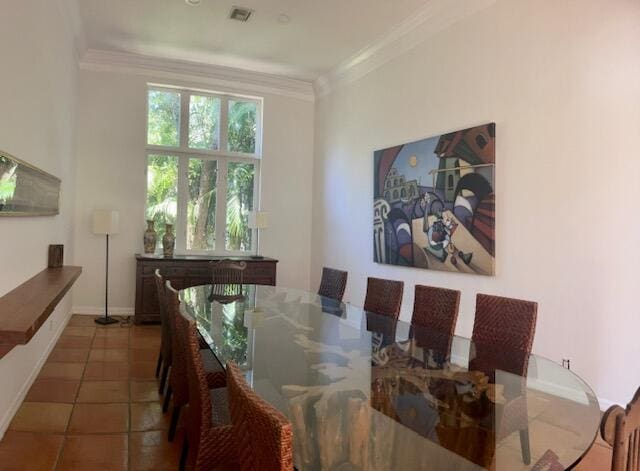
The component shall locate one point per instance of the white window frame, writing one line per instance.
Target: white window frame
(223, 157)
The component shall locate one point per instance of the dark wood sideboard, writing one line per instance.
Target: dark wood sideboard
(188, 270)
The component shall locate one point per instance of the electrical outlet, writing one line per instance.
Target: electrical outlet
(566, 363)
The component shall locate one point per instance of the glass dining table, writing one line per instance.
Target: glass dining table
(365, 392)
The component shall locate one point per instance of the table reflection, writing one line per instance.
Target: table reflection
(365, 392)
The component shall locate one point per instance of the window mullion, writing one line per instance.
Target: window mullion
(224, 123)
(183, 169)
(256, 204)
(221, 206)
(259, 113)
(184, 119)
(181, 217)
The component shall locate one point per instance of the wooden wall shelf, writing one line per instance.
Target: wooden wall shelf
(24, 309)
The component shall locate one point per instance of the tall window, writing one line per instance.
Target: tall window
(203, 168)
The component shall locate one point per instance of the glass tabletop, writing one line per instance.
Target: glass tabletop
(365, 392)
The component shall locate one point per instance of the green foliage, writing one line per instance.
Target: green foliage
(242, 126)
(234, 333)
(204, 113)
(8, 179)
(227, 329)
(201, 208)
(239, 203)
(163, 118)
(162, 191)
(7, 189)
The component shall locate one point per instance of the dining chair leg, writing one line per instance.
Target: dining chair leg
(175, 416)
(524, 445)
(159, 364)
(163, 380)
(167, 399)
(184, 454)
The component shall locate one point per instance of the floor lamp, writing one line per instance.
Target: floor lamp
(106, 222)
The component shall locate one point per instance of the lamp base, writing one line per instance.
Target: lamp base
(105, 320)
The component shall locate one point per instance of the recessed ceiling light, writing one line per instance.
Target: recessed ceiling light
(283, 18)
(193, 3)
(240, 13)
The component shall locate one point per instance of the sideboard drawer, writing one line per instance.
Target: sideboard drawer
(198, 272)
(166, 270)
(257, 270)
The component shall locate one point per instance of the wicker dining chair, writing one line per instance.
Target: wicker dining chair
(164, 356)
(262, 434)
(503, 332)
(333, 283)
(209, 442)
(178, 389)
(620, 428)
(436, 308)
(384, 297)
(504, 328)
(227, 277)
(435, 312)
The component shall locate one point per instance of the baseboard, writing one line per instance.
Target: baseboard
(8, 416)
(99, 310)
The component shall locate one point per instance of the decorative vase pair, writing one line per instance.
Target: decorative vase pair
(168, 240)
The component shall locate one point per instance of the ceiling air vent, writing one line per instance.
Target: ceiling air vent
(240, 13)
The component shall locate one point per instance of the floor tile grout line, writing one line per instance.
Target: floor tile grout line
(64, 437)
(142, 344)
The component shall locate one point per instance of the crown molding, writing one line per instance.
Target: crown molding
(216, 75)
(71, 13)
(434, 17)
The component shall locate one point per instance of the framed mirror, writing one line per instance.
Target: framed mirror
(26, 190)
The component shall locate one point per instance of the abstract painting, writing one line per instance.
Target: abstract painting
(434, 202)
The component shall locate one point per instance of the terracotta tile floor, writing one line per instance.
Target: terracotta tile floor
(94, 406)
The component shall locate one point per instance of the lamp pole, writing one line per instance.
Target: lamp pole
(106, 320)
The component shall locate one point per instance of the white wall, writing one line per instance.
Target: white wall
(562, 82)
(37, 99)
(111, 174)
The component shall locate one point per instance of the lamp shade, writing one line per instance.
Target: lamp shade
(106, 221)
(258, 219)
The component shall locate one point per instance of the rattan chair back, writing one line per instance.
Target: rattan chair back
(178, 379)
(262, 434)
(227, 277)
(166, 341)
(384, 297)
(333, 283)
(436, 308)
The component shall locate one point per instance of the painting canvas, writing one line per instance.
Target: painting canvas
(26, 190)
(434, 202)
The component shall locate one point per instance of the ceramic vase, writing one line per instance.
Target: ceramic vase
(168, 241)
(150, 238)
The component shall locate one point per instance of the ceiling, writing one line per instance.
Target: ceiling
(321, 34)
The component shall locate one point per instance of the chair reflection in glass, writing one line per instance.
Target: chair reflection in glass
(226, 281)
